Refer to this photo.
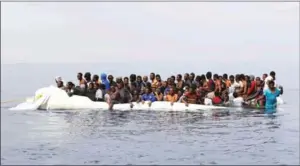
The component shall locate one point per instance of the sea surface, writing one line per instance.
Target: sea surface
(137, 137)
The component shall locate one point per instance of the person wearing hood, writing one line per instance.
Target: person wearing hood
(105, 81)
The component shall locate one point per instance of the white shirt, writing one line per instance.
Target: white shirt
(269, 78)
(99, 94)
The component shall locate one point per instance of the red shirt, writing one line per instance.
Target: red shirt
(217, 100)
(191, 97)
(252, 88)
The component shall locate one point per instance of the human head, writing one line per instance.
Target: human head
(126, 81)
(225, 76)
(110, 78)
(198, 78)
(273, 74)
(87, 76)
(70, 85)
(158, 77)
(264, 76)
(145, 78)
(215, 77)
(208, 75)
(120, 85)
(147, 90)
(139, 79)
(192, 76)
(179, 77)
(231, 78)
(95, 78)
(132, 77)
(186, 76)
(79, 76)
(152, 76)
(237, 78)
(271, 84)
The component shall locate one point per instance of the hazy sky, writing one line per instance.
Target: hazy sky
(186, 34)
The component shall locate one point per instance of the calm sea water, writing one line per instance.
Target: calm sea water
(103, 137)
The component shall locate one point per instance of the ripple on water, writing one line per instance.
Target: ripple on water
(137, 137)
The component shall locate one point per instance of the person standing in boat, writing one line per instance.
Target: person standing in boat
(105, 81)
(179, 83)
(187, 81)
(111, 80)
(153, 80)
(96, 79)
(82, 82)
(87, 77)
(139, 82)
(124, 93)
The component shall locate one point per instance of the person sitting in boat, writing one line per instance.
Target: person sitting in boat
(217, 100)
(148, 96)
(251, 86)
(59, 83)
(191, 96)
(257, 95)
(70, 88)
(136, 97)
(159, 96)
(100, 92)
(91, 91)
(171, 96)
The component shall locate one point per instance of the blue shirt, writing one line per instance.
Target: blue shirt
(271, 101)
(166, 90)
(149, 97)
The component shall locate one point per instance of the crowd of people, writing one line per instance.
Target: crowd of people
(188, 89)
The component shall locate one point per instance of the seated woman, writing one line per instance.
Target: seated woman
(171, 96)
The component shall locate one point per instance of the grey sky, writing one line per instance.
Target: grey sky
(89, 32)
(229, 35)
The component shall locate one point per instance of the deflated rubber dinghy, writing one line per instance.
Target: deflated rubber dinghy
(53, 98)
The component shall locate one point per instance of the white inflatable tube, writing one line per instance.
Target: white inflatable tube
(53, 98)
